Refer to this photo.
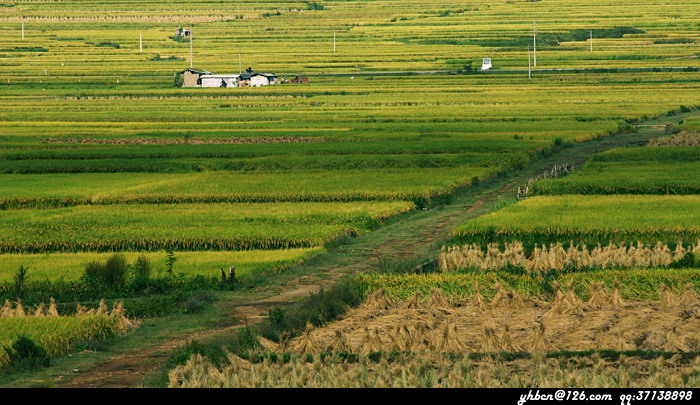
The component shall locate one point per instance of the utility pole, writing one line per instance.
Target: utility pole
(140, 42)
(191, 62)
(240, 63)
(529, 63)
(334, 42)
(534, 37)
(23, 29)
(591, 41)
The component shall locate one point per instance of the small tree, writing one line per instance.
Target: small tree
(19, 280)
(142, 269)
(170, 260)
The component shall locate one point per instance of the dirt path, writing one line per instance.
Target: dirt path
(417, 235)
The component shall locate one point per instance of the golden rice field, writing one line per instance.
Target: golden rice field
(102, 154)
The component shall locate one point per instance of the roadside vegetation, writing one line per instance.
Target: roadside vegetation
(153, 204)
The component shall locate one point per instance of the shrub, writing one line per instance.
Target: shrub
(142, 270)
(112, 273)
(19, 280)
(25, 353)
(312, 5)
(320, 308)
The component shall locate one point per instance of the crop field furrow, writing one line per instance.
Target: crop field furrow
(346, 137)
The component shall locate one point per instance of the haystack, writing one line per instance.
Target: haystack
(52, 311)
(668, 298)
(674, 342)
(40, 310)
(616, 299)
(490, 343)
(507, 342)
(599, 296)
(501, 298)
(437, 299)
(340, 342)
(539, 342)
(7, 310)
(371, 342)
(689, 298)
(306, 343)
(413, 302)
(478, 301)
(377, 301)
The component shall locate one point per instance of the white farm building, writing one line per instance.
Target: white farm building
(247, 79)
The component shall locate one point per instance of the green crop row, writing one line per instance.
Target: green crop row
(665, 154)
(643, 284)
(71, 266)
(189, 226)
(297, 163)
(418, 185)
(589, 220)
(627, 177)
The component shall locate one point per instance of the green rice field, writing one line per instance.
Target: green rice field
(589, 219)
(70, 266)
(384, 141)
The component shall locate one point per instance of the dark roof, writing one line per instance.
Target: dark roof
(200, 72)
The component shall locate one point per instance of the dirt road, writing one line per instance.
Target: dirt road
(417, 235)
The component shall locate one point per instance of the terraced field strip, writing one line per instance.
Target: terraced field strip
(71, 266)
(418, 235)
(187, 227)
(293, 36)
(590, 220)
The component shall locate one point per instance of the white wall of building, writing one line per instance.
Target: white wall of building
(257, 81)
(215, 80)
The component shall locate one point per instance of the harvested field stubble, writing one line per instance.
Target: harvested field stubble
(430, 370)
(604, 321)
(683, 138)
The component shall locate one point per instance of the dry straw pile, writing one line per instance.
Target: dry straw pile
(427, 370)
(509, 323)
(557, 257)
(683, 138)
(429, 342)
